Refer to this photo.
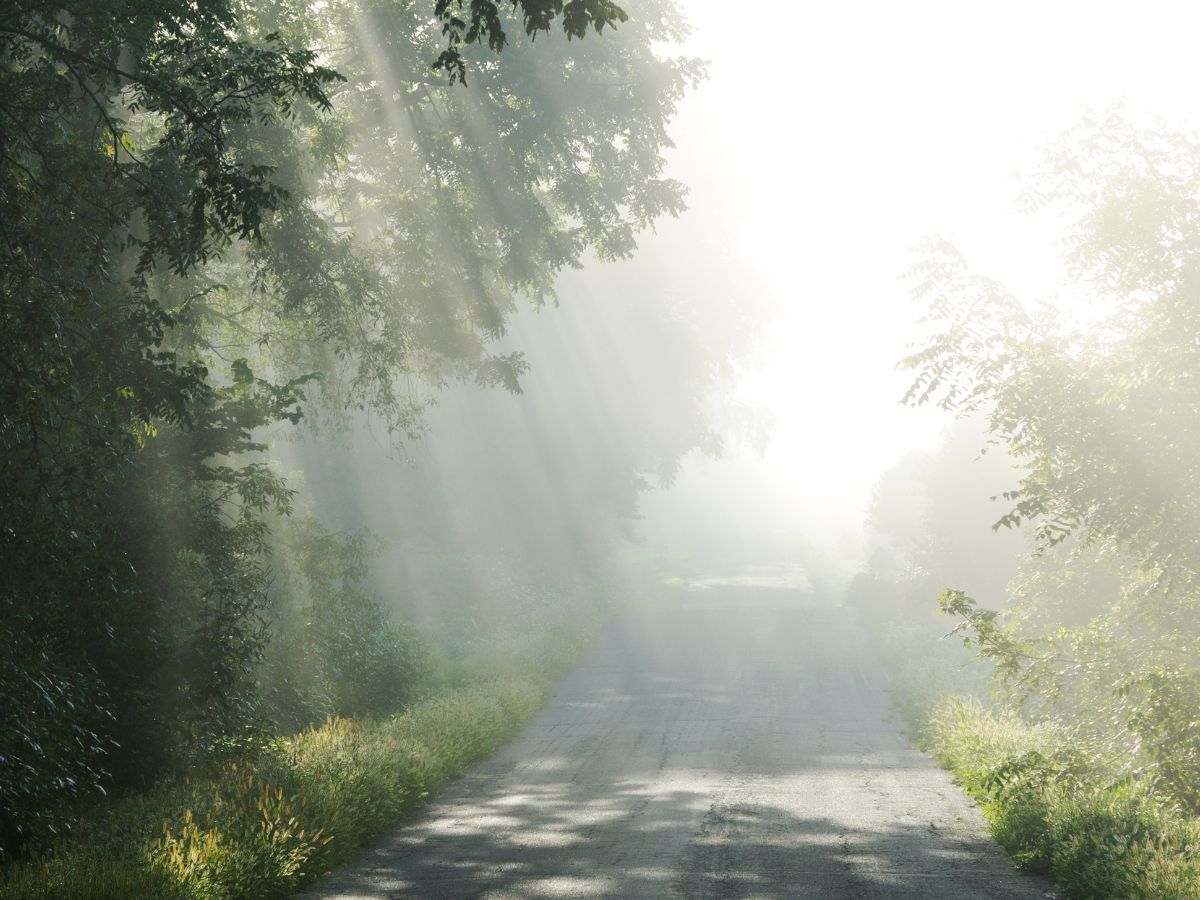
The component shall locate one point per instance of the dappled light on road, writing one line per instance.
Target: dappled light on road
(715, 750)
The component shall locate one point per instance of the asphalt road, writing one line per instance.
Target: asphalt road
(734, 747)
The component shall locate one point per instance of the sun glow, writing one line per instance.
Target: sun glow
(861, 132)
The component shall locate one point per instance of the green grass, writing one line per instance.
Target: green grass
(1097, 834)
(1098, 838)
(265, 826)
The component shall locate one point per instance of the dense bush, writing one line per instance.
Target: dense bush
(130, 653)
(52, 748)
(266, 822)
(334, 651)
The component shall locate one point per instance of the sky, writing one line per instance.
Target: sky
(836, 136)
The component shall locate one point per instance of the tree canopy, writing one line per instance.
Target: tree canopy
(216, 216)
(484, 22)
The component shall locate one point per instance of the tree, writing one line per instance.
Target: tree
(484, 22)
(198, 215)
(1105, 418)
(441, 207)
(98, 408)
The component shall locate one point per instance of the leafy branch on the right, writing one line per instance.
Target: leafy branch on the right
(1104, 416)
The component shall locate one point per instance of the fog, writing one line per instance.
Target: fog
(381, 378)
(832, 146)
(726, 402)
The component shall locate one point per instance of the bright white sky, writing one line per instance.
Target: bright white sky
(841, 134)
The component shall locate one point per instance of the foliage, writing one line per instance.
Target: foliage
(53, 740)
(484, 22)
(105, 426)
(1097, 835)
(262, 826)
(198, 216)
(334, 651)
(136, 653)
(423, 213)
(1103, 416)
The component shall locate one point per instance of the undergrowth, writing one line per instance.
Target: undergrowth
(264, 826)
(1098, 831)
(1098, 836)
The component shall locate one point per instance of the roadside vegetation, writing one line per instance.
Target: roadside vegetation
(306, 498)
(1096, 830)
(265, 823)
(1077, 723)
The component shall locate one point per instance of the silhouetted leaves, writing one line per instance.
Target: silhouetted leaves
(483, 23)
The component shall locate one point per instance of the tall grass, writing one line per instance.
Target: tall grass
(1057, 809)
(1059, 813)
(264, 826)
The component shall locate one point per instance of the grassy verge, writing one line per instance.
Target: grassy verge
(1057, 814)
(265, 826)
(1053, 808)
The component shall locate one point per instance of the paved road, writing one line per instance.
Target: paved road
(728, 748)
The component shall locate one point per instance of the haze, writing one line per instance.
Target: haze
(527, 448)
(838, 141)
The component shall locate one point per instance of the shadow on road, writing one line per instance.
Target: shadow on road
(715, 750)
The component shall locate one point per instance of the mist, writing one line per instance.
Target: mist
(600, 450)
(876, 130)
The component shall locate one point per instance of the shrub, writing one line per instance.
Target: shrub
(334, 649)
(53, 735)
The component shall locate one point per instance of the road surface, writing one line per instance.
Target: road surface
(735, 746)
